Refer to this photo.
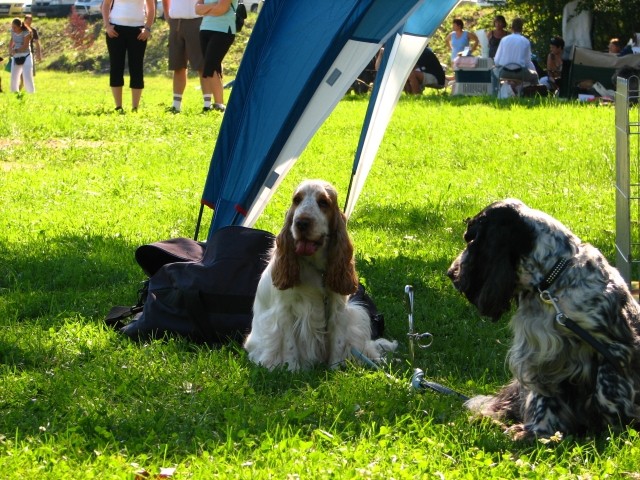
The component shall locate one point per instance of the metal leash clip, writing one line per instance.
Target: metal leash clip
(423, 340)
(546, 297)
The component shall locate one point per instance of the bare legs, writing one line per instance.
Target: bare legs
(213, 86)
(117, 96)
(136, 94)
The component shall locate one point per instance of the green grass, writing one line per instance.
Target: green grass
(81, 188)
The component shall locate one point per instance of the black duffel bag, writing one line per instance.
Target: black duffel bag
(207, 300)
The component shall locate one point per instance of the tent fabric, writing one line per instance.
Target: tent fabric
(576, 27)
(400, 55)
(299, 62)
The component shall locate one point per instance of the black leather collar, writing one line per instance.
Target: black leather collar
(555, 272)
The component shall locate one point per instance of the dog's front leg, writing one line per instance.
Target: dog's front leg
(542, 417)
(614, 396)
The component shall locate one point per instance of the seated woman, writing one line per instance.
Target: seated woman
(554, 65)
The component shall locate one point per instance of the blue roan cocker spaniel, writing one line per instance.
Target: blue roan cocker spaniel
(575, 355)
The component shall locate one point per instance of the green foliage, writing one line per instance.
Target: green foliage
(82, 187)
(611, 18)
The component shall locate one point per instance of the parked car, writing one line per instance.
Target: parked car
(11, 8)
(88, 8)
(252, 5)
(26, 8)
(51, 8)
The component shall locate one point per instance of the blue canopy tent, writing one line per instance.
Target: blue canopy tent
(298, 64)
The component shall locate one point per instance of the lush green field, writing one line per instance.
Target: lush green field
(82, 187)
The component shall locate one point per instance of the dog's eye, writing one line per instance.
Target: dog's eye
(297, 199)
(323, 203)
(470, 235)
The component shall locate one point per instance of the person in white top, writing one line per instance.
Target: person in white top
(22, 60)
(127, 24)
(514, 54)
(184, 45)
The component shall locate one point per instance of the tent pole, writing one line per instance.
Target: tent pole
(195, 235)
(346, 200)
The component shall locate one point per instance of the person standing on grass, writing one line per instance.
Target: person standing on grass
(36, 49)
(498, 33)
(184, 45)
(22, 60)
(460, 39)
(127, 24)
(217, 33)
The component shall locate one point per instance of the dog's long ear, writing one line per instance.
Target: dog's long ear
(340, 275)
(501, 240)
(286, 270)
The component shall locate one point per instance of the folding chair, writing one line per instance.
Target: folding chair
(512, 73)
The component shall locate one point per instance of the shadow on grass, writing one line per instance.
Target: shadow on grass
(81, 274)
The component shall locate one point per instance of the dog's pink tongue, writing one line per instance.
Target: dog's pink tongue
(306, 248)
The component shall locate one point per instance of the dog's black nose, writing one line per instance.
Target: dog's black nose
(302, 224)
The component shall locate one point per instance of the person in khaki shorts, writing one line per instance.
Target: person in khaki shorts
(184, 45)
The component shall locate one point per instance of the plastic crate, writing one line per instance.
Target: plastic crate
(480, 63)
(473, 76)
(463, 88)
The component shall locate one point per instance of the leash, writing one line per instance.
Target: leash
(563, 320)
(422, 340)
(419, 384)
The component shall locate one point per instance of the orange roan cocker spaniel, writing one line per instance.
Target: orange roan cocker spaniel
(301, 314)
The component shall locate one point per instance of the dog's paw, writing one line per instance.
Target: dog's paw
(519, 433)
(376, 350)
(384, 346)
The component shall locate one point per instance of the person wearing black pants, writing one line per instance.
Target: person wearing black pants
(217, 33)
(127, 24)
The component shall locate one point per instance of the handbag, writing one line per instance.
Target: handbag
(20, 60)
(7, 67)
(241, 15)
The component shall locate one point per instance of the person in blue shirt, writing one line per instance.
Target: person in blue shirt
(217, 33)
(460, 39)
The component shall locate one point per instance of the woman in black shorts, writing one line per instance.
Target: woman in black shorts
(217, 33)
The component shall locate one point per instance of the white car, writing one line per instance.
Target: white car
(88, 8)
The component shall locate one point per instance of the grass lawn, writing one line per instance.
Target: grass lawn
(82, 187)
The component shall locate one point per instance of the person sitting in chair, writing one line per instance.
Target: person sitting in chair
(513, 58)
(554, 65)
(428, 72)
